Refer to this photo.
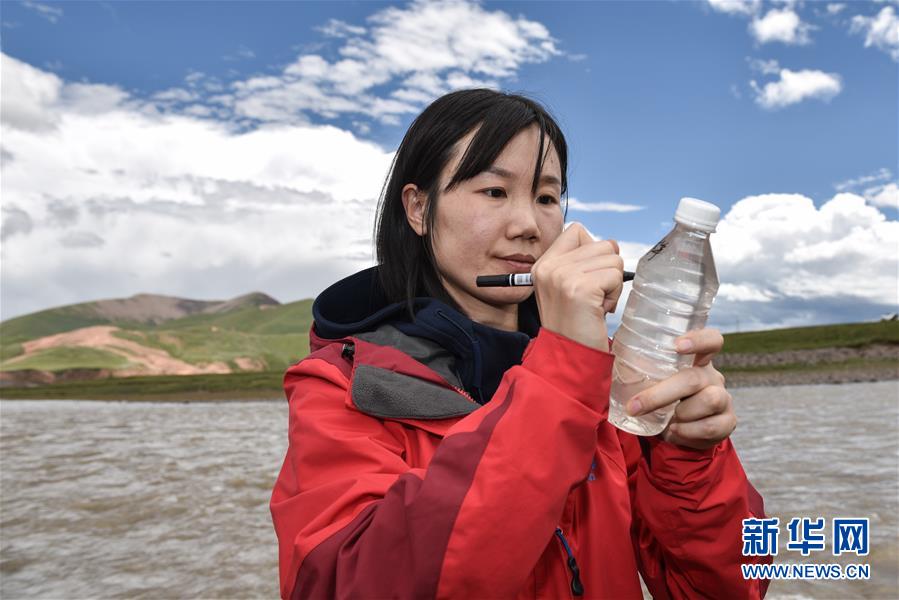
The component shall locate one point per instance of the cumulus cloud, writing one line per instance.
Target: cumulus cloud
(795, 86)
(98, 187)
(780, 25)
(782, 261)
(877, 188)
(835, 8)
(881, 31)
(736, 7)
(402, 58)
(883, 195)
(576, 205)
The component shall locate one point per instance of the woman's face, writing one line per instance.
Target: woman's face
(493, 223)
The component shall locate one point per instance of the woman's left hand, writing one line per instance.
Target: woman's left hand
(705, 415)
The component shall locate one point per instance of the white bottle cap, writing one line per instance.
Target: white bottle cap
(697, 214)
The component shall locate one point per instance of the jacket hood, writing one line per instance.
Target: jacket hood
(357, 304)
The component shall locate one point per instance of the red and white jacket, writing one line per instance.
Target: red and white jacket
(398, 485)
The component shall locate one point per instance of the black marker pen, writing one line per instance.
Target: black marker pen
(519, 279)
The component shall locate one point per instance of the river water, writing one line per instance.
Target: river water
(161, 500)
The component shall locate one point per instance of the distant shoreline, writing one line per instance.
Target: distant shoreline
(835, 376)
(798, 367)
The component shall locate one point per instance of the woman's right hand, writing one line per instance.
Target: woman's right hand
(577, 281)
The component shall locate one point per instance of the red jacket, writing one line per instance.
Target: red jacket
(396, 484)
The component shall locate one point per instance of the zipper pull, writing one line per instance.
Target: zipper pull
(577, 588)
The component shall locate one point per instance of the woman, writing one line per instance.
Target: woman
(449, 440)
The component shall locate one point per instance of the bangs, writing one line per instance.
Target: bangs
(500, 124)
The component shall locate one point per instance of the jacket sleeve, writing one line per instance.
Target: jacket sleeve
(688, 507)
(353, 519)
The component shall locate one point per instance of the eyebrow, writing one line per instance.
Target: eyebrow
(509, 175)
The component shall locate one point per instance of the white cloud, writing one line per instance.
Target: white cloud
(744, 293)
(27, 94)
(782, 25)
(766, 67)
(577, 205)
(783, 246)
(103, 196)
(881, 31)
(883, 192)
(853, 184)
(51, 13)
(795, 86)
(418, 52)
(782, 261)
(884, 195)
(340, 29)
(835, 8)
(736, 7)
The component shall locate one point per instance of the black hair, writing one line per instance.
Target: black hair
(406, 262)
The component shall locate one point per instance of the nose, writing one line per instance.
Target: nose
(522, 219)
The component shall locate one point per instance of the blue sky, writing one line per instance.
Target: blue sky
(783, 113)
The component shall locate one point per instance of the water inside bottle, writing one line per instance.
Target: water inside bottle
(673, 290)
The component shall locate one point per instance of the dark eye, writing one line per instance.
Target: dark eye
(495, 192)
(547, 200)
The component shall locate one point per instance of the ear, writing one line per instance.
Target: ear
(414, 201)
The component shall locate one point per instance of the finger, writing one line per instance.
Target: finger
(600, 274)
(682, 384)
(704, 343)
(705, 432)
(707, 402)
(602, 261)
(574, 236)
(579, 254)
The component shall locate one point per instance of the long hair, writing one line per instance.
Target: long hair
(406, 262)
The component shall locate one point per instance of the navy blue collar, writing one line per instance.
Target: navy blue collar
(483, 354)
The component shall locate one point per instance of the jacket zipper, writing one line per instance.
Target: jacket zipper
(349, 350)
(577, 588)
(463, 392)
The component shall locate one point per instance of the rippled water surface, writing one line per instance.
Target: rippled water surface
(108, 499)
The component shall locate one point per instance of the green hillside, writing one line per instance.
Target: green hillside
(295, 317)
(201, 344)
(242, 313)
(73, 357)
(48, 322)
(849, 335)
(258, 341)
(269, 337)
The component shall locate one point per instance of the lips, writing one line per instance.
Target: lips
(519, 263)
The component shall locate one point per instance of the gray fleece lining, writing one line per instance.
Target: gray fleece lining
(386, 394)
(430, 354)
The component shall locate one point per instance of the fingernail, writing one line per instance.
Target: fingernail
(684, 345)
(634, 406)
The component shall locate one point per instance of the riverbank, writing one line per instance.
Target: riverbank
(875, 362)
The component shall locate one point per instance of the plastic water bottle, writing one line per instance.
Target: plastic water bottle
(673, 290)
